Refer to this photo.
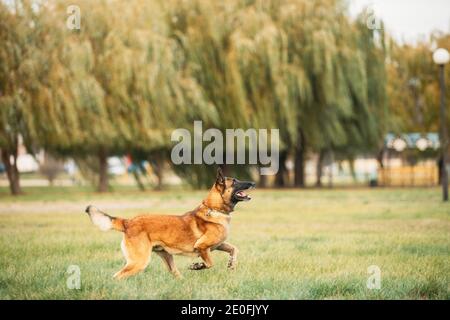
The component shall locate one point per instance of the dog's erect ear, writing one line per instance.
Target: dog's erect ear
(220, 179)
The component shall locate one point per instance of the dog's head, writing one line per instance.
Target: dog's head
(227, 192)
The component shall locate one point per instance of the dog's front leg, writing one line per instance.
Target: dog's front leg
(207, 263)
(202, 246)
(232, 250)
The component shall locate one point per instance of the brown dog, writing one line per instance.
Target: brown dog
(195, 233)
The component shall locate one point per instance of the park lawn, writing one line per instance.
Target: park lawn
(294, 244)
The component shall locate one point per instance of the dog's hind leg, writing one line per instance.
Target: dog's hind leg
(232, 250)
(170, 263)
(137, 252)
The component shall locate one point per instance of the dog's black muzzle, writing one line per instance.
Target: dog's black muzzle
(238, 190)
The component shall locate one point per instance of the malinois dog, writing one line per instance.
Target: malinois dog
(196, 233)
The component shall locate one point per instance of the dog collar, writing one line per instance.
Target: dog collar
(211, 211)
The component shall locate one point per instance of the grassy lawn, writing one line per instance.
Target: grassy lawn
(313, 244)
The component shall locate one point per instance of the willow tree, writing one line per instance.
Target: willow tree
(11, 52)
(18, 37)
(136, 71)
(238, 56)
(158, 94)
(274, 86)
(413, 85)
(53, 115)
(325, 53)
(366, 129)
(298, 65)
(98, 64)
(79, 107)
(35, 104)
(127, 82)
(203, 30)
(364, 81)
(116, 86)
(69, 112)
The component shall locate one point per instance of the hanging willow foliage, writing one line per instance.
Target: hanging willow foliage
(136, 70)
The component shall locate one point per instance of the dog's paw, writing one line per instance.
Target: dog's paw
(197, 266)
(232, 264)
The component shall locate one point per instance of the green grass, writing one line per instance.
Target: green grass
(313, 244)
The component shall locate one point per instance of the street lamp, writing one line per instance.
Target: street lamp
(399, 144)
(422, 144)
(441, 57)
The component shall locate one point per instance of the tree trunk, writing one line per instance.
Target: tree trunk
(156, 161)
(330, 171)
(262, 181)
(159, 172)
(440, 164)
(159, 183)
(280, 176)
(103, 171)
(319, 168)
(11, 171)
(351, 162)
(380, 157)
(299, 173)
(138, 180)
(299, 165)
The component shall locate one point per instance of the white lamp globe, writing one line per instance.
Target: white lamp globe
(422, 144)
(399, 144)
(441, 56)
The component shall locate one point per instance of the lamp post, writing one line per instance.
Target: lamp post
(441, 57)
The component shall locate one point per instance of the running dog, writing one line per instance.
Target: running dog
(196, 233)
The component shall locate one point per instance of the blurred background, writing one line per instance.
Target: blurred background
(90, 91)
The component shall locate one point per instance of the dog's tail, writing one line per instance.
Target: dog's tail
(104, 221)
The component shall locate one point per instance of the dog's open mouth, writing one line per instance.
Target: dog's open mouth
(240, 188)
(242, 196)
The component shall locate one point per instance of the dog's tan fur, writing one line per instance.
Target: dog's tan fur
(195, 233)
